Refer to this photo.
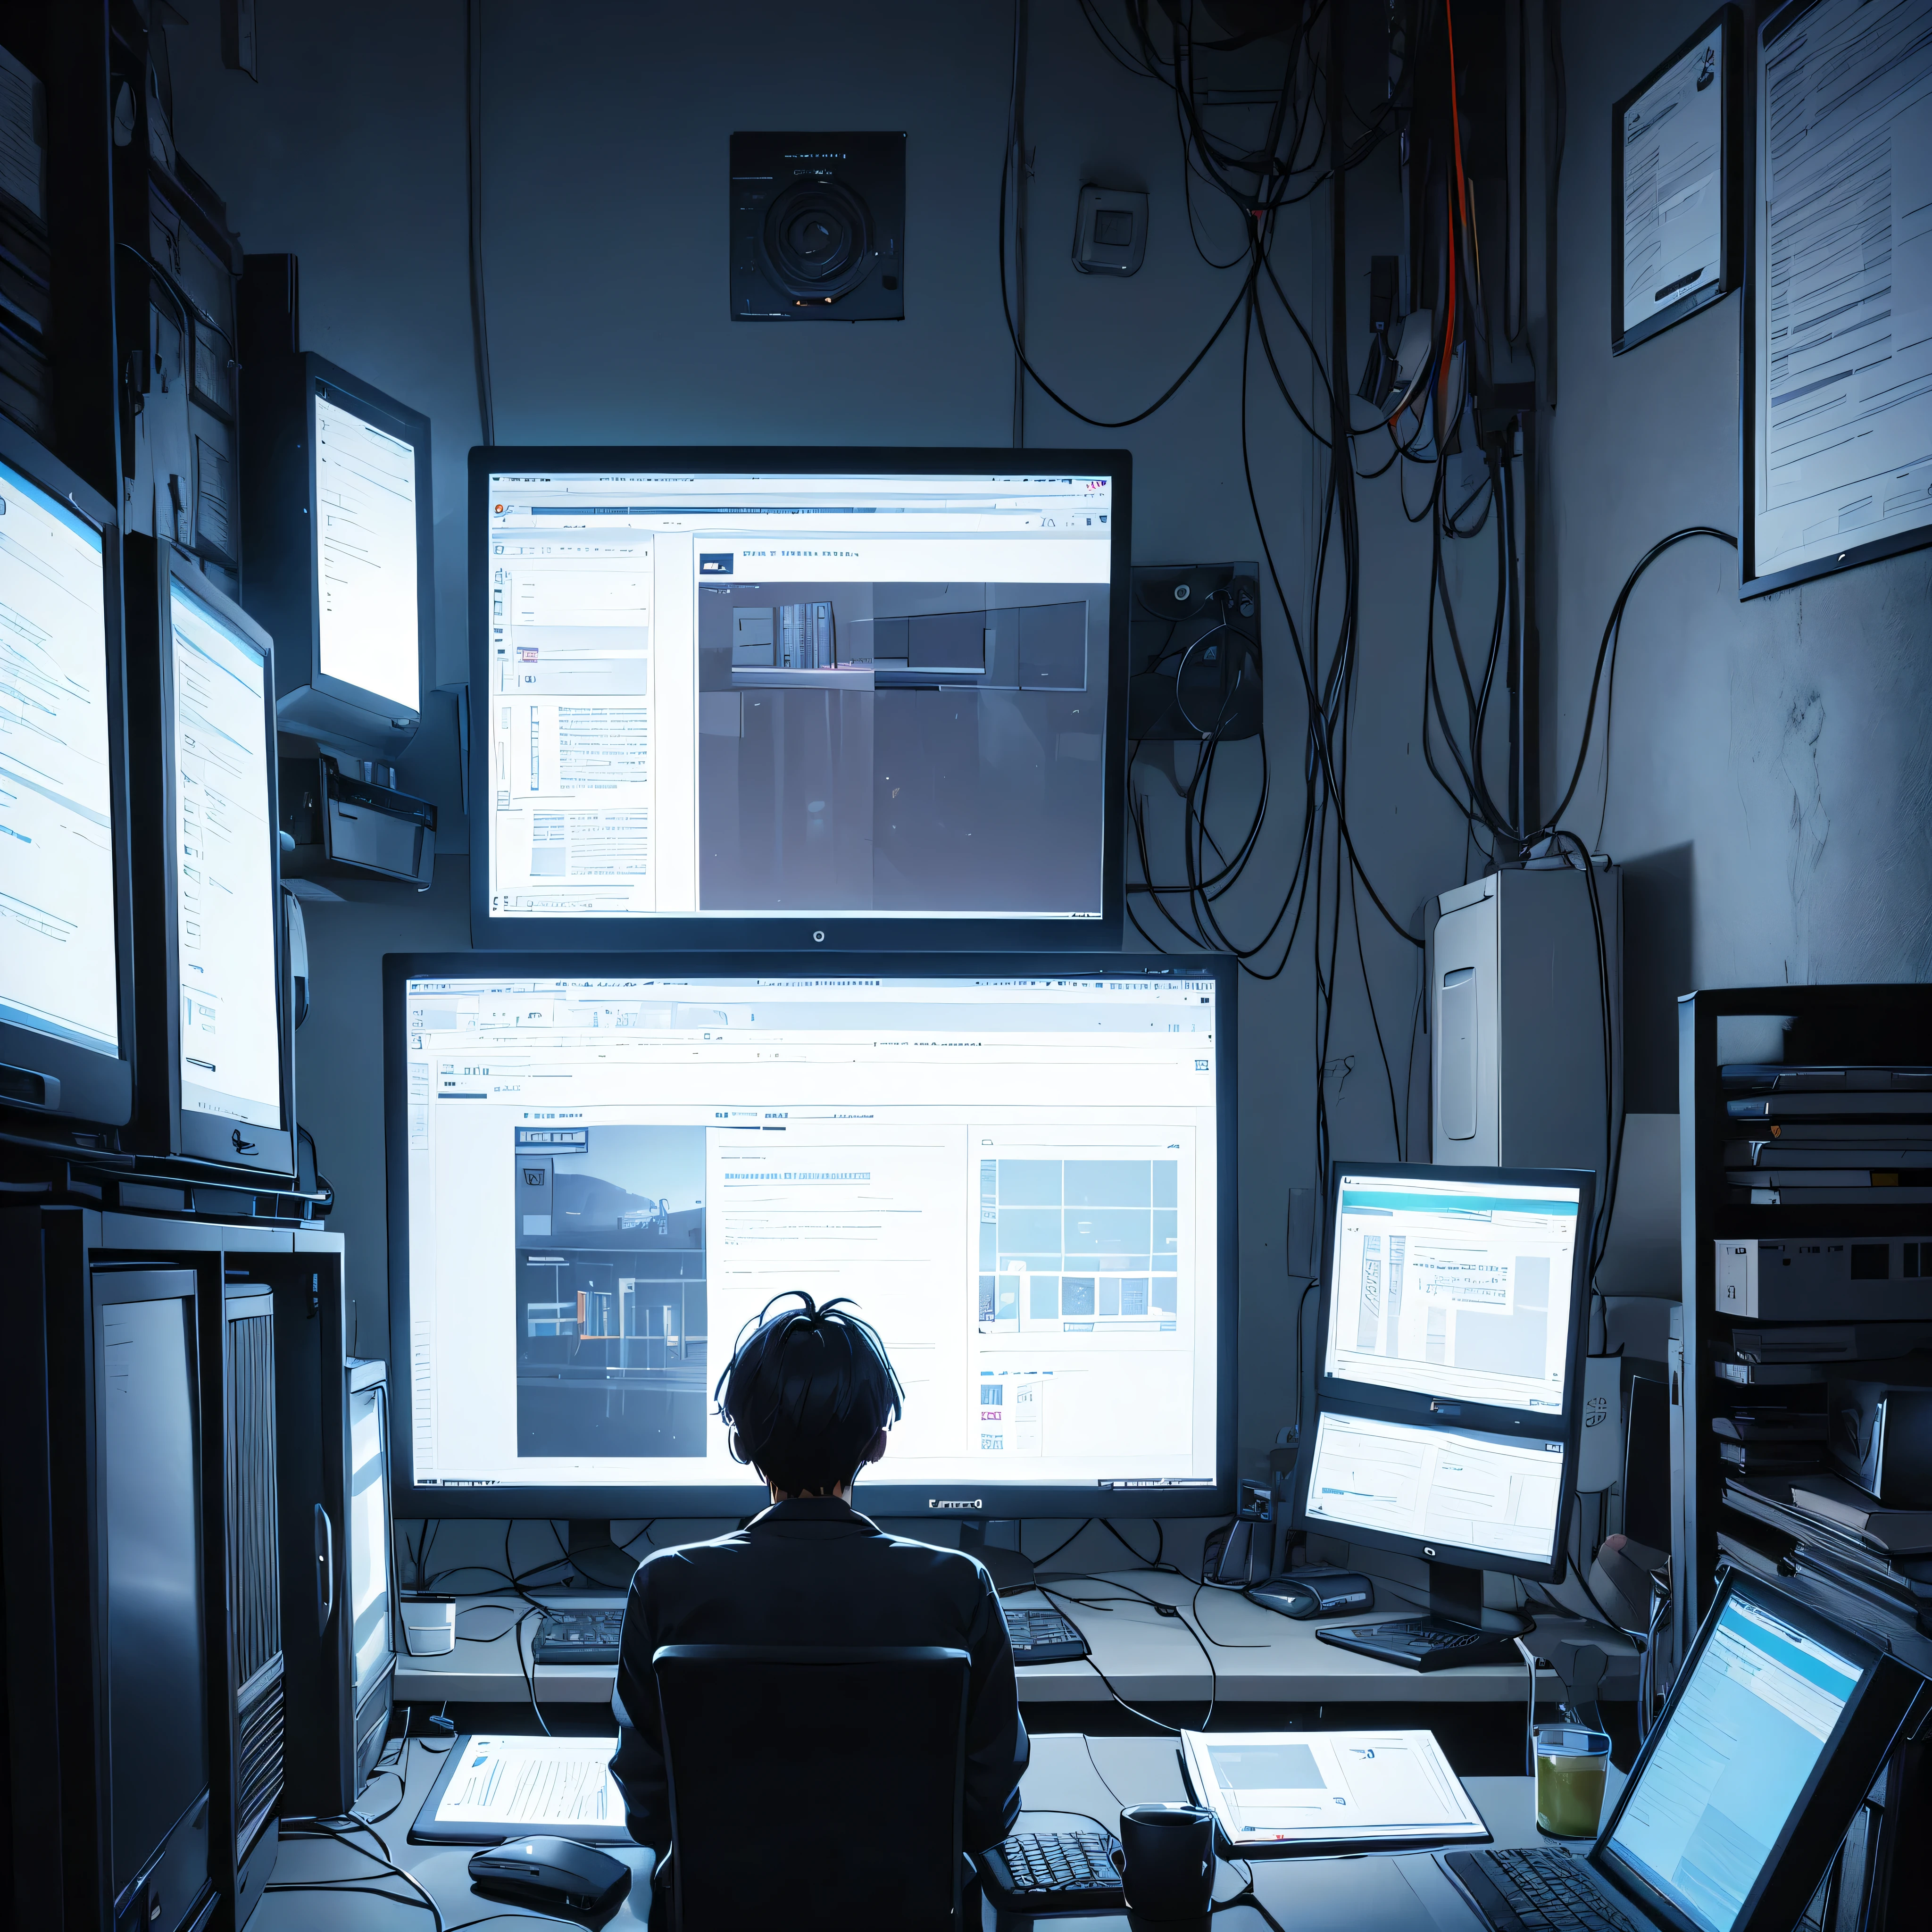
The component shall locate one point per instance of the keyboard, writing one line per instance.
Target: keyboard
(578, 1636)
(1044, 1636)
(1535, 1892)
(1052, 1871)
(1424, 1643)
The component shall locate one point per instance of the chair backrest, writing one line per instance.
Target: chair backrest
(814, 1788)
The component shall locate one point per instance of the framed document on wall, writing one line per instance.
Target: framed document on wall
(1836, 350)
(1676, 185)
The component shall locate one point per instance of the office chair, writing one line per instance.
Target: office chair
(814, 1788)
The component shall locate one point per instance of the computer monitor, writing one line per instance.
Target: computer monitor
(845, 698)
(66, 990)
(1777, 1726)
(338, 526)
(1020, 1168)
(216, 1085)
(1448, 1398)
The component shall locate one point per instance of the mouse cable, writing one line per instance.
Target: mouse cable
(1173, 1613)
(387, 1864)
(1061, 1811)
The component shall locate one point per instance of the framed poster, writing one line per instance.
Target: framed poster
(1837, 353)
(1676, 185)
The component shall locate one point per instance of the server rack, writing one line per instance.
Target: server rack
(83, 1747)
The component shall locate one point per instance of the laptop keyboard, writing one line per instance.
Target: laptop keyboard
(1535, 1892)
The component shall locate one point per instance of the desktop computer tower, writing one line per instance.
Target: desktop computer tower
(102, 1516)
(1517, 987)
(332, 1448)
(245, 1636)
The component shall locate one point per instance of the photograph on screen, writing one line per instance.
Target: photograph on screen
(610, 1306)
(898, 747)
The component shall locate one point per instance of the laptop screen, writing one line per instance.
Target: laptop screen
(1715, 1796)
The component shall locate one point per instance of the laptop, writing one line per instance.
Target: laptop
(1774, 1731)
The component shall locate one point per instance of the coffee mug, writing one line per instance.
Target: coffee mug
(1166, 1860)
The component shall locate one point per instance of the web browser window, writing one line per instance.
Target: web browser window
(1014, 1181)
(745, 696)
(1455, 1289)
(1492, 1493)
(57, 959)
(1721, 1786)
(365, 539)
(231, 1058)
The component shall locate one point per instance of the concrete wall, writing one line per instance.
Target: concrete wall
(1771, 766)
(606, 200)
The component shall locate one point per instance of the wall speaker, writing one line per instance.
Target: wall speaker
(818, 227)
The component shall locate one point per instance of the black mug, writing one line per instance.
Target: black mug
(1166, 1860)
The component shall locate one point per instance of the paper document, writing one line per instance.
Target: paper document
(1321, 1788)
(526, 1782)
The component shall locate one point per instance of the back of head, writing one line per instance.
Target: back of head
(806, 1394)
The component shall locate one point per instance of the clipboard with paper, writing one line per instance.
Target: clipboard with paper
(1327, 1792)
(493, 1788)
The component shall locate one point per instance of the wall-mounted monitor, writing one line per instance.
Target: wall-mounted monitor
(1021, 1169)
(803, 698)
(66, 987)
(216, 1082)
(338, 526)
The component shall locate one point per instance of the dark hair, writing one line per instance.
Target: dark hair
(805, 1392)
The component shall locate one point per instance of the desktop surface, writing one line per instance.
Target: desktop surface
(1072, 1782)
(1147, 1657)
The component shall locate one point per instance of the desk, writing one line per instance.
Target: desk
(1376, 1893)
(1149, 1658)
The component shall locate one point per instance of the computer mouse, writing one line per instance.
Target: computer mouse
(1314, 1592)
(551, 1871)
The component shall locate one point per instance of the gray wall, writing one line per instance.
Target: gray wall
(1770, 784)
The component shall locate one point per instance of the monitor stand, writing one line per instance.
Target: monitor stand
(1457, 1630)
(1011, 1570)
(598, 1562)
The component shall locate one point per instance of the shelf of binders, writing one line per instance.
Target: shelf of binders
(1806, 1125)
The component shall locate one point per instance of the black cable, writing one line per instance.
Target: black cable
(1611, 629)
(486, 410)
(1037, 1560)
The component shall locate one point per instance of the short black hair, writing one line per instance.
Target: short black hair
(805, 1392)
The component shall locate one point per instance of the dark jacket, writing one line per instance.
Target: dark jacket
(815, 1571)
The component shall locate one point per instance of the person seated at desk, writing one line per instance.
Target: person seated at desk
(809, 1398)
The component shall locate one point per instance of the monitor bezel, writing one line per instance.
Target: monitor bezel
(284, 582)
(1337, 1397)
(97, 1089)
(169, 1135)
(1874, 1717)
(877, 1495)
(836, 931)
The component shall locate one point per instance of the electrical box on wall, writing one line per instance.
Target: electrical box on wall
(1110, 231)
(818, 227)
(1517, 991)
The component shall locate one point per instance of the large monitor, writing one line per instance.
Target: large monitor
(216, 1084)
(66, 990)
(1450, 1375)
(798, 698)
(339, 528)
(1020, 1168)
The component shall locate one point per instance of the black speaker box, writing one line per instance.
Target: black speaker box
(818, 227)
(1195, 637)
